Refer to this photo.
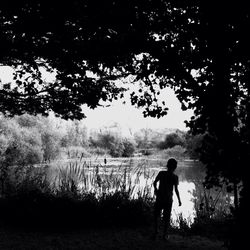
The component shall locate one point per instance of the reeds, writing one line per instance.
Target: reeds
(82, 193)
(77, 195)
(83, 177)
(213, 215)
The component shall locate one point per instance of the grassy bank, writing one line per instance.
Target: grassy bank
(87, 197)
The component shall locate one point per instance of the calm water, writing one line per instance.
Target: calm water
(139, 174)
(191, 175)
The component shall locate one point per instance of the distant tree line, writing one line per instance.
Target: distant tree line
(186, 45)
(27, 139)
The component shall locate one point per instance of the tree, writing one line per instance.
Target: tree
(143, 138)
(76, 135)
(28, 121)
(193, 145)
(128, 148)
(171, 140)
(50, 142)
(182, 44)
(68, 40)
(199, 48)
(20, 145)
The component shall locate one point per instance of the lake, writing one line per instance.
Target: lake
(136, 175)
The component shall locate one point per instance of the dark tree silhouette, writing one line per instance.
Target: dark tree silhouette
(70, 39)
(199, 48)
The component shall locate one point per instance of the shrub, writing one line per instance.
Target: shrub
(3, 146)
(23, 146)
(193, 145)
(32, 201)
(51, 146)
(27, 140)
(176, 152)
(106, 140)
(171, 140)
(128, 148)
(98, 151)
(77, 152)
(114, 145)
(27, 121)
(76, 135)
(116, 149)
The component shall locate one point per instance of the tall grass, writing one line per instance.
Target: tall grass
(83, 193)
(84, 177)
(213, 213)
(78, 195)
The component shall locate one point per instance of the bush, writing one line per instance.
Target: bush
(77, 152)
(42, 210)
(51, 145)
(27, 121)
(32, 201)
(116, 149)
(3, 146)
(171, 140)
(76, 135)
(128, 148)
(19, 145)
(115, 145)
(106, 140)
(27, 140)
(98, 151)
(193, 145)
(176, 152)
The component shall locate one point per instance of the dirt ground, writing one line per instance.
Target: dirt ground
(122, 239)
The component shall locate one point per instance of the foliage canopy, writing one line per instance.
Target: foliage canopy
(199, 48)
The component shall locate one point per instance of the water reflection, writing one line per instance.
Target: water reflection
(191, 175)
(137, 176)
(187, 209)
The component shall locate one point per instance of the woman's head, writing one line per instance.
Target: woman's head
(172, 164)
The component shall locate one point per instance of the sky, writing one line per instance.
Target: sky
(126, 115)
(129, 116)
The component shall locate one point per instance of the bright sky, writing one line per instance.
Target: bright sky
(130, 117)
(126, 115)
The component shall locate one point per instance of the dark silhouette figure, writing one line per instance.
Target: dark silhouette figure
(164, 195)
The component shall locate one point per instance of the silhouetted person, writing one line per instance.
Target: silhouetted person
(164, 195)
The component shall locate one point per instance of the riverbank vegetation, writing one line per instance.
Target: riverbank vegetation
(50, 181)
(79, 200)
(30, 139)
(94, 54)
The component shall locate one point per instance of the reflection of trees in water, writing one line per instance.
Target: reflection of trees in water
(208, 202)
(191, 171)
(137, 175)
